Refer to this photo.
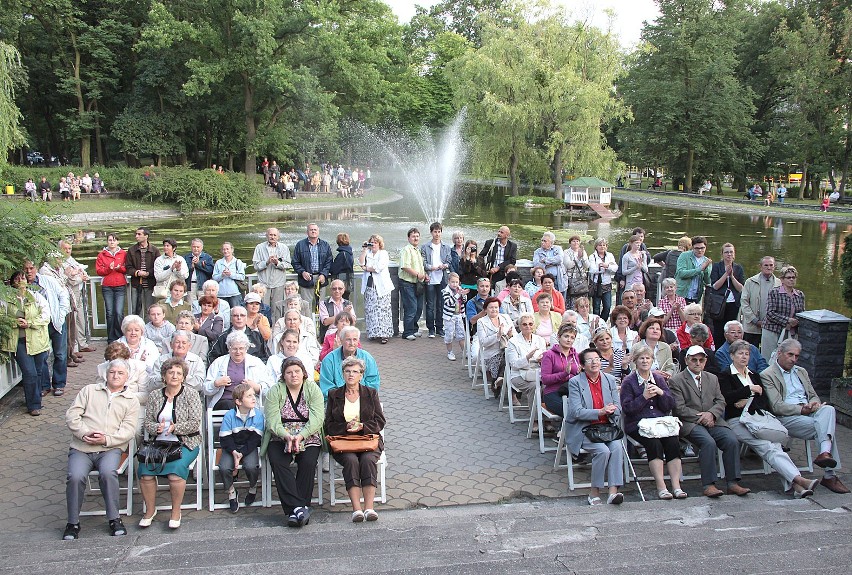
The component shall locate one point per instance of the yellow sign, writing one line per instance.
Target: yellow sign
(795, 178)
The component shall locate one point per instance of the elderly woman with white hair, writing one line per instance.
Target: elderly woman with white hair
(523, 356)
(672, 304)
(141, 348)
(293, 319)
(221, 308)
(230, 370)
(549, 256)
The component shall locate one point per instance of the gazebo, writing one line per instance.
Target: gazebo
(587, 190)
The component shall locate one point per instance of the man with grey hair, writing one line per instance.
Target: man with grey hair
(549, 256)
(180, 345)
(754, 298)
(331, 373)
(75, 279)
(271, 260)
(734, 332)
(200, 266)
(102, 421)
(239, 319)
(793, 400)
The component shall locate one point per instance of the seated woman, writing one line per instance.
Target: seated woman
(548, 286)
(491, 329)
(588, 322)
(175, 303)
(559, 364)
(137, 378)
(228, 371)
(172, 414)
(739, 384)
(644, 394)
(331, 340)
(198, 344)
(260, 289)
(534, 285)
(288, 346)
(294, 320)
(593, 398)
(699, 334)
(256, 320)
(291, 289)
(692, 314)
(294, 419)
(158, 330)
(523, 355)
(210, 324)
(673, 304)
(623, 337)
(650, 334)
(210, 288)
(141, 348)
(547, 321)
(613, 361)
(356, 409)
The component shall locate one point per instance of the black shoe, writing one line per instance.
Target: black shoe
(72, 531)
(304, 516)
(234, 504)
(250, 498)
(116, 527)
(293, 520)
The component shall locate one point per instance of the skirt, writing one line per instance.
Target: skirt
(377, 314)
(179, 467)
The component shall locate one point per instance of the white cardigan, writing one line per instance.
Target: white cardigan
(381, 277)
(256, 371)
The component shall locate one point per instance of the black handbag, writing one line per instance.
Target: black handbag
(603, 432)
(578, 284)
(715, 303)
(155, 454)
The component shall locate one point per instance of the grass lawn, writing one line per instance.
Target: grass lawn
(87, 206)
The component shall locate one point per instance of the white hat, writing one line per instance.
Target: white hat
(695, 350)
(656, 312)
(252, 298)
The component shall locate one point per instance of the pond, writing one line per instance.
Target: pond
(814, 247)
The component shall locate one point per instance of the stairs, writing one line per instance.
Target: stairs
(602, 211)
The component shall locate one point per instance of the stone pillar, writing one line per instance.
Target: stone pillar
(822, 334)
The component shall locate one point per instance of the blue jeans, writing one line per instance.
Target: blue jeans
(114, 310)
(434, 308)
(412, 308)
(601, 305)
(59, 342)
(31, 366)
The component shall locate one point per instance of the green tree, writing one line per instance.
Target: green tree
(11, 135)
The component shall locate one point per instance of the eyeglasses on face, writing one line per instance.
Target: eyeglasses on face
(352, 371)
(697, 358)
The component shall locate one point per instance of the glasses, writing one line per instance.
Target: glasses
(697, 358)
(699, 247)
(593, 360)
(352, 371)
(790, 277)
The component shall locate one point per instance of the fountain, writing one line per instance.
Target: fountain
(429, 170)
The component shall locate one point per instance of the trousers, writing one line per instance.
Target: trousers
(294, 488)
(771, 453)
(79, 466)
(819, 425)
(708, 440)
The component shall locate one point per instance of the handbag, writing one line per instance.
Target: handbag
(603, 432)
(161, 292)
(353, 443)
(242, 286)
(156, 453)
(578, 283)
(763, 425)
(666, 426)
(715, 303)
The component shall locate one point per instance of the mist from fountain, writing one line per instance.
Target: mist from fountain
(429, 168)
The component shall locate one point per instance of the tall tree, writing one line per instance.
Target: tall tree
(11, 135)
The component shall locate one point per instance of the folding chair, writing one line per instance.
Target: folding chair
(381, 492)
(478, 370)
(507, 402)
(267, 478)
(562, 446)
(468, 348)
(126, 469)
(213, 421)
(540, 414)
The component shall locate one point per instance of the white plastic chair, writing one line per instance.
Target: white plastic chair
(539, 415)
(213, 421)
(126, 469)
(196, 471)
(508, 403)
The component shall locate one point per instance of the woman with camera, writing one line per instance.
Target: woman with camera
(471, 268)
(376, 286)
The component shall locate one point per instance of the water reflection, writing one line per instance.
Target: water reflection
(813, 247)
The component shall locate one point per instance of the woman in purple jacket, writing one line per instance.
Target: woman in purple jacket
(644, 394)
(558, 365)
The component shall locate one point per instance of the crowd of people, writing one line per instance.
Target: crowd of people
(199, 338)
(69, 187)
(344, 182)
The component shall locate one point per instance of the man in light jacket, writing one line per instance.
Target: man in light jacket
(436, 263)
(753, 300)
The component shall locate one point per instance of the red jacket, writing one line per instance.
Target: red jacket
(112, 277)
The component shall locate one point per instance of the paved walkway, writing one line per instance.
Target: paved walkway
(446, 445)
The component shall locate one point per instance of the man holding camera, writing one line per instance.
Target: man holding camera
(271, 260)
(412, 274)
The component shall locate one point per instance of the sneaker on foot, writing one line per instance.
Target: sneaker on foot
(116, 527)
(72, 531)
(410, 337)
(451, 356)
(234, 502)
(431, 335)
(250, 498)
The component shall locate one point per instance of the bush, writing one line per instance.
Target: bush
(188, 189)
(546, 201)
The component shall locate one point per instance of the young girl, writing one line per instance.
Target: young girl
(453, 311)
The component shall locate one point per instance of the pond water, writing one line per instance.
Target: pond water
(814, 247)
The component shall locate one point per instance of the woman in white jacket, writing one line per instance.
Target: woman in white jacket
(168, 268)
(230, 370)
(523, 355)
(376, 287)
(602, 266)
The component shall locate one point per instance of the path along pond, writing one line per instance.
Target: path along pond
(814, 247)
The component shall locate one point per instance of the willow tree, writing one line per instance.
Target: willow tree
(11, 135)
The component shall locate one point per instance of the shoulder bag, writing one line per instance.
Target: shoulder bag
(715, 303)
(578, 283)
(155, 453)
(763, 425)
(353, 443)
(666, 426)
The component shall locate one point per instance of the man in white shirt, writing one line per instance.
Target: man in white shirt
(436, 262)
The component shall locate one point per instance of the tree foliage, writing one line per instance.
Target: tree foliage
(11, 135)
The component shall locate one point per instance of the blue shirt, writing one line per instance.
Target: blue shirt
(796, 393)
(471, 309)
(756, 363)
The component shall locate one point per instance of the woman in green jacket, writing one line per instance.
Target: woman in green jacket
(294, 412)
(28, 341)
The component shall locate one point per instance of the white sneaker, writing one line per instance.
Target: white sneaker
(410, 337)
(418, 334)
(451, 356)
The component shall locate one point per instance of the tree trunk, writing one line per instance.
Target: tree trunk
(557, 173)
(513, 174)
(803, 186)
(718, 184)
(251, 129)
(99, 146)
(690, 158)
(85, 141)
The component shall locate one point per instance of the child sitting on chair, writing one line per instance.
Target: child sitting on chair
(240, 435)
(453, 310)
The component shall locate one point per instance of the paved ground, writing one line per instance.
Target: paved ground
(446, 445)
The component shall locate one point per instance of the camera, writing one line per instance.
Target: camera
(473, 249)
(367, 245)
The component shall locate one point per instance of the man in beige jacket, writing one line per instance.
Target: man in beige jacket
(753, 300)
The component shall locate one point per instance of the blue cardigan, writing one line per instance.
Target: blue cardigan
(331, 374)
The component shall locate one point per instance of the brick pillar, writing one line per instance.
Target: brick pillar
(822, 334)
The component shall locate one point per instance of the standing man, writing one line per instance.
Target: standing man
(271, 260)
(792, 398)
(754, 298)
(140, 268)
(102, 421)
(436, 262)
(312, 263)
(76, 278)
(498, 254)
(411, 274)
(200, 266)
(53, 267)
(59, 303)
(693, 271)
(700, 405)
(782, 305)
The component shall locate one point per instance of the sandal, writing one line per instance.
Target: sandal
(357, 517)
(665, 494)
(384, 340)
(680, 494)
(595, 501)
